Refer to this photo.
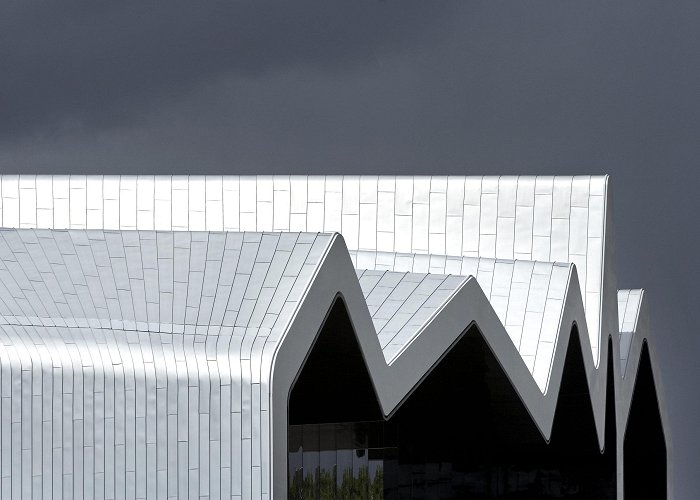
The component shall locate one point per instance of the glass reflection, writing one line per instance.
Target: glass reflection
(463, 433)
(336, 461)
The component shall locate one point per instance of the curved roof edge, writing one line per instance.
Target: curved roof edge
(467, 306)
(545, 218)
(565, 220)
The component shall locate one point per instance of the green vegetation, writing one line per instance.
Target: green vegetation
(323, 485)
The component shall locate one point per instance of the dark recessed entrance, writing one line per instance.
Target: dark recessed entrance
(645, 445)
(463, 433)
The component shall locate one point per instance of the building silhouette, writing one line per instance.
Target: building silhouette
(322, 337)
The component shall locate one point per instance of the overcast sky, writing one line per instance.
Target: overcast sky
(388, 87)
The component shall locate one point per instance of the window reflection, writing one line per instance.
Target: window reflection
(463, 433)
(343, 461)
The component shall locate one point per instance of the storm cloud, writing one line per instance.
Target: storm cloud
(108, 65)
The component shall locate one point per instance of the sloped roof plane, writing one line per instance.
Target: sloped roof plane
(219, 293)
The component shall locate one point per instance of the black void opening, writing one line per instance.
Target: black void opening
(610, 452)
(645, 445)
(335, 432)
(463, 433)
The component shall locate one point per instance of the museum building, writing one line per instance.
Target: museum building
(322, 337)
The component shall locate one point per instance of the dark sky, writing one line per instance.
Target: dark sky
(388, 87)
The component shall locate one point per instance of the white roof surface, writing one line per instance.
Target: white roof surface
(544, 218)
(194, 307)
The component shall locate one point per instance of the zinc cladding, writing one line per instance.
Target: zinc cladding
(536, 218)
(134, 363)
(139, 362)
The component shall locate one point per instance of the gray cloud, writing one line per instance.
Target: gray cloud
(106, 65)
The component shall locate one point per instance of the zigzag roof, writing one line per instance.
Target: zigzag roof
(420, 259)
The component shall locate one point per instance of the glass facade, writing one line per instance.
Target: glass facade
(344, 461)
(463, 432)
(362, 460)
(645, 444)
